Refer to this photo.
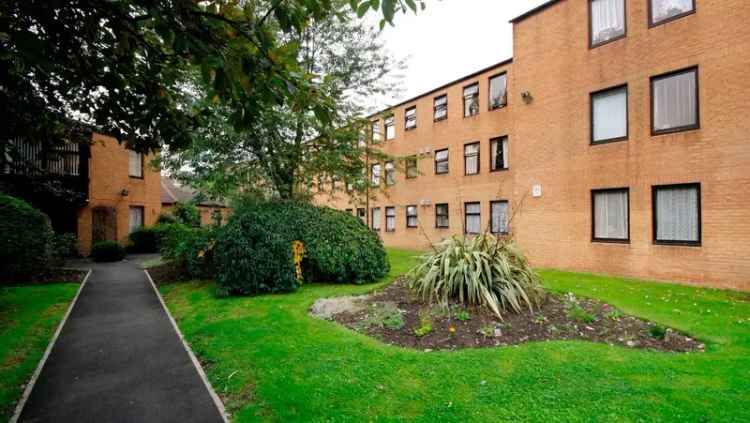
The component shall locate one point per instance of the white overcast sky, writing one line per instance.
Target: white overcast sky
(451, 39)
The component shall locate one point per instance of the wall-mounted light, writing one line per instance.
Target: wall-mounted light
(526, 96)
(124, 192)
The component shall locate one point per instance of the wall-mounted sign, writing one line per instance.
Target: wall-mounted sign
(536, 190)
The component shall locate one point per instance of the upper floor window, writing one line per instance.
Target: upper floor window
(440, 108)
(441, 216)
(376, 132)
(411, 217)
(376, 219)
(499, 217)
(609, 115)
(662, 11)
(471, 158)
(471, 100)
(135, 164)
(498, 91)
(375, 175)
(610, 215)
(607, 21)
(499, 153)
(674, 101)
(410, 118)
(473, 218)
(441, 161)
(411, 167)
(390, 173)
(390, 219)
(390, 128)
(677, 214)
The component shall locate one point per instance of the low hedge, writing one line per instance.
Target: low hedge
(253, 252)
(107, 251)
(148, 239)
(189, 248)
(25, 239)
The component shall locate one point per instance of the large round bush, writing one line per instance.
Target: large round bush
(25, 236)
(253, 251)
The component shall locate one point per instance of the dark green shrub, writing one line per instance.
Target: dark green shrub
(191, 249)
(254, 249)
(165, 219)
(63, 246)
(106, 251)
(148, 239)
(187, 213)
(25, 237)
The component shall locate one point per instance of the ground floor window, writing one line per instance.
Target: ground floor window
(610, 214)
(362, 215)
(473, 218)
(349, 211)
(499, 216)
(135, 220)
(390, 219)
(376, 219)
(441, 216)
(677, 214)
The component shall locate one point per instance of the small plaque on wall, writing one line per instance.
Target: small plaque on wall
(536, 190)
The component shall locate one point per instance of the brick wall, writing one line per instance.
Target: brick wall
(549, 140)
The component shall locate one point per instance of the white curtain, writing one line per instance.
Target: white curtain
(376, 174)
(441, 160)
(663, 9)
(675, 101)
(677, 214)
(376, 218)
(610, 118)
(473, 219)
(503, 143)
(611, 215)
(607, 20)
(500, 217)
(471, 153)
(390, 218)
(135, 220)
(390, 173)
(471, 100)
(134, 164)
(497, 91)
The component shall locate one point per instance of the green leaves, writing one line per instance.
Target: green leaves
(388, 8)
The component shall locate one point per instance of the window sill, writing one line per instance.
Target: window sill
(439, 120)
(471, 116)
(678, 243)
(603, 43)
(410, 129)
(655, 133)
(611, 240)
(139, 178)
(412, 227)
(442, 227)
(670, 19)
(502, 169)
(492, 109)
(608, 141)
(471, 174)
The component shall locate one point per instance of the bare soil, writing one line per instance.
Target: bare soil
(396, 316)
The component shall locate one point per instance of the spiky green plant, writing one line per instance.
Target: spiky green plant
(484, 270)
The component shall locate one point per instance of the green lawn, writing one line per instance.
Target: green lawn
(29, 316)
(270, 361)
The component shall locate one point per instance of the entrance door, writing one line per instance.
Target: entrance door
(103, 224)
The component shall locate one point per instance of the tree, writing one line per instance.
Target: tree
(118, 65)
(289, 147)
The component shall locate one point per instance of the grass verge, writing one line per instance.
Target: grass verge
(270, 361)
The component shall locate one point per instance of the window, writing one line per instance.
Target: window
(610, 215)
(441, 216)
(390, 128)
(609, 115)
(376, 219)
(375, 175)
(606, 20)
(411, 167)
(349, 187)
(411, 217)
(135, 164)
(674, 102)
(441, 161)
(499, 217)
(390, 173)
(362, 215)
(471, 100)
(390, 219)
(376, 132)
(440, 108)
(677, 214)
(471, 158)
(663, 11)
(498, 91)
(135, 219)
(499, 153)
(350, 211)
(410, 118)
(473, 218)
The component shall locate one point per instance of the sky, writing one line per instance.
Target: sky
(450, 39)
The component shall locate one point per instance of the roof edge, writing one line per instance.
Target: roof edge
(534, 11)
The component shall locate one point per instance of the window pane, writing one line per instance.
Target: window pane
(499, 153)
(135, 167)
(390, 173)
(610, 114)
(607, 20)
(498, 91)
(376, 174)
(499, 217)
(376, 218)
(135, 220)
(675, 101)
(411, 118)
(362, 215)
(471, 100)
(441, 100)
(473, 224)
(611, 215)
(677, 214)
(471, 158)
(411, 168)
(441, 161)
(390, 128)
(665, 9)
(376, 132)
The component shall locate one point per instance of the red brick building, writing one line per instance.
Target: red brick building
(614, 141)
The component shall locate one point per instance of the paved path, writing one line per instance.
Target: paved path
(118, 359)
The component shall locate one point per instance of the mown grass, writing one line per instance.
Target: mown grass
(270, 361)
(28, 317)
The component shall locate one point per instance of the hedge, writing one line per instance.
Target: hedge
(25, 237)
(106, 251)
(253, 252)
(148, 239)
